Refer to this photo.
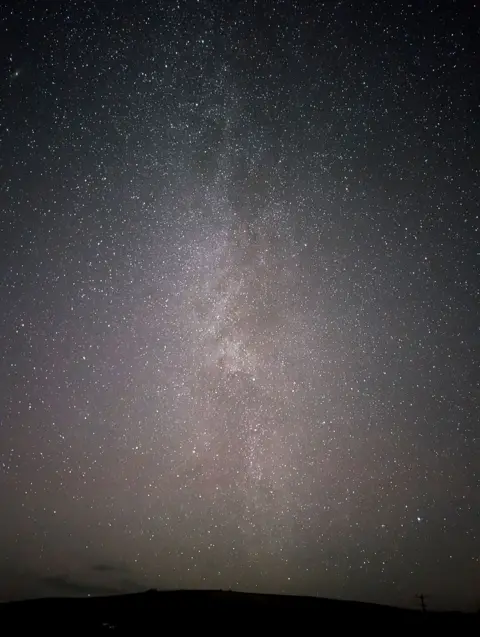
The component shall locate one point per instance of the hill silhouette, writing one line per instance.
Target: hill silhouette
(155, 610)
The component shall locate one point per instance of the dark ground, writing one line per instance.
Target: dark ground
(152, 611)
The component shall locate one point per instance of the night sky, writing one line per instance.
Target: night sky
(239, 298)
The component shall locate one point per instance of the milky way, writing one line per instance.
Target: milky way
(242, 340)
(238, 304)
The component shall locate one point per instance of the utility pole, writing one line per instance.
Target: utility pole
(421, 597)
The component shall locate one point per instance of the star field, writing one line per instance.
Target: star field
(239, 299)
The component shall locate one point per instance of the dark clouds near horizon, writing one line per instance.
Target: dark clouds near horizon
(239, 298)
